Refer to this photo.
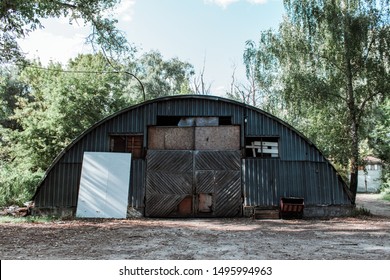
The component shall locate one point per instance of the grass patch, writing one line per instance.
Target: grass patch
(386, 196)
(28, 219)
(361, 212)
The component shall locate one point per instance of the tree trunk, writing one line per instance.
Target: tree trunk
(353, 128)
(354, 161)
(352, 108)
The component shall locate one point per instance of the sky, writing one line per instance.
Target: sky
(209, 33)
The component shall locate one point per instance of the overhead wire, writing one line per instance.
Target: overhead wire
(28, 65)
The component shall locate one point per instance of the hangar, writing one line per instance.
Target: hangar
(194, 156)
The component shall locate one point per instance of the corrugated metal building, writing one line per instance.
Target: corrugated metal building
(201, 156)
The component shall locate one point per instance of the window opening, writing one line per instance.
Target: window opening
(183, 121)
(263, 147)
(127, 144)
(168, 120)
(225, 120)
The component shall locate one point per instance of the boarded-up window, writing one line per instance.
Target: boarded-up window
(194, 138)
(127, 144)
(263, 147)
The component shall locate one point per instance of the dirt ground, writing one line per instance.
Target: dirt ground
(186, 239)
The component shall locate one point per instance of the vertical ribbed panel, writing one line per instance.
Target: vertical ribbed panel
(136, 191)
(51, 195)
(267, 180)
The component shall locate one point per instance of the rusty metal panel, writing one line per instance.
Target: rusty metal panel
(205, 202)
(164, 182)
(171, 138)
(162, 205)
(224, 188)
(217, 138)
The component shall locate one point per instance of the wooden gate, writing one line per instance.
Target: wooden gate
(169, 183)
(193, 184)
(217, 183)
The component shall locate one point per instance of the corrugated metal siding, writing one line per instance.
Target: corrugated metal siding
(292, 147)
(136, 191)
(295, 172)
(61, 188)
(200, 107)
(267, 180)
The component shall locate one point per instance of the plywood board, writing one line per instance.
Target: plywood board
(171, 138)
(217, 138)
(104, 185)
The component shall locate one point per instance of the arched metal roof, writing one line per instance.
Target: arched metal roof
(188, 105)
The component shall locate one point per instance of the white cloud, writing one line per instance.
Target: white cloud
(222, 3)
(258, 1)
(225, 3)
(48, 46)
(60, 41)
(125, 10)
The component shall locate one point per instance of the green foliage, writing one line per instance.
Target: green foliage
(386, 196)
(385, 181)
(159, 77)
(10, 90)
(61, 105)
(28, 219)
(379, 130)
(17, 185)
(361, 212)
(20, 17)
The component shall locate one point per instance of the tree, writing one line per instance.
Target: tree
(199, 85)
(20, 17)
(244, 92)
(10, 90)
(261, 88)
(61, 104)
(334, 59)
(379, 134)
(159, 77)
(53, 106)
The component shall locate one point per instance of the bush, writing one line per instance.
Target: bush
(17, 185)
(361, 212)
(385, 182)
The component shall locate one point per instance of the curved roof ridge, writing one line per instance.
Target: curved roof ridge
(167, 98)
